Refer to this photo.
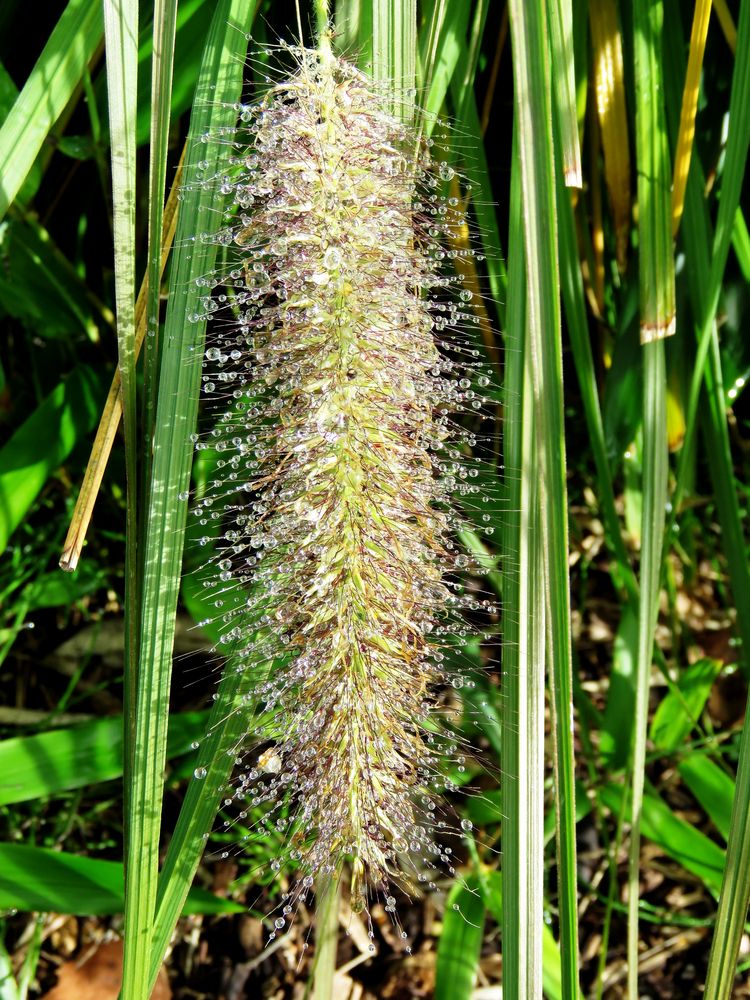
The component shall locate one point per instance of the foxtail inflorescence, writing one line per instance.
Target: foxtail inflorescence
(337, 369)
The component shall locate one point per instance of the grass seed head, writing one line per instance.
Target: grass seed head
(338, 468)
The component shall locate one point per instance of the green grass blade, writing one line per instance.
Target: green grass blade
(165, 519)
(656, 260)
(534, 121)
(560, 15)
(219, 87)
(476, 168)
(347, 25)
(680, 709)
(704, 288)
(657, 320)
(655, 467)
(577, 324)
(394, 51)
(679, 839)
(42, 879)
(61, 759)
(712, 787)
(741, 244)
(121, 40)
(48, 89)
(616, 731)
(697, 238)
(32, 455)
(327, 906)
(165, 23)
(438, 54)
(460, 942)
(523, 641)
(735, 891)
(463, 90)
(9, 989)
(39, 285)
(731, 183)
(225, 731)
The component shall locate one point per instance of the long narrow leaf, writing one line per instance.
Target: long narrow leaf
(394, 37)
(704, 286)
(48, 89)
(165, 20)
(523, 657)
(218, 89)
(560, 15)
(657, 320)
(121, 37)
(689, 107)
(38, 878)
(533, 100)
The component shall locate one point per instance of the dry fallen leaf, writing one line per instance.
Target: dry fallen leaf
(99, 977)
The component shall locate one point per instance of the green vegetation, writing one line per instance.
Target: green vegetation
(598, 151)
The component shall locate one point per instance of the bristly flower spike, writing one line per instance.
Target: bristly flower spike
(339, 467)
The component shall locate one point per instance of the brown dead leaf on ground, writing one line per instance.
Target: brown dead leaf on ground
(99, 977)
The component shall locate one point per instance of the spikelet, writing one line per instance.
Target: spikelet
(337, 474)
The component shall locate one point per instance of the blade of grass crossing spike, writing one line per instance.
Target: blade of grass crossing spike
(179, 379)
(522, 732)
(218, 89)
(560, 16)
(394, 46)
(47, 91)
(657, 298)
(165, 22)
(609, 84)
(121, 41)
(224, 733)
(689, 107)
(533, 101)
